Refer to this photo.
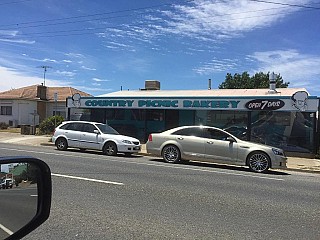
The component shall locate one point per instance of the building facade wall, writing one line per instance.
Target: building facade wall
(280, 121)
(21, 112)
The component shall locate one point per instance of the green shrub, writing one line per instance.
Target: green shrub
(3, 125)
(47, 126)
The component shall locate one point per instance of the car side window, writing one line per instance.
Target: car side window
(87, 127)
(215, 134)
(196, 132)
(74, 126)
(65, 126)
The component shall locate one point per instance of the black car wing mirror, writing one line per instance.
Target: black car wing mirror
(25, 195)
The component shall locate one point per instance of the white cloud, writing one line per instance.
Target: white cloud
(87, 68)
(75, 55)
(301, 70)
(12, 79)
(222, 19)
(100, 80)
(10, 33)
(65, 73)
(17, 41)
(216, 66)
(49, 60)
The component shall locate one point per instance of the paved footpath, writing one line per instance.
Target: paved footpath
(294, 163)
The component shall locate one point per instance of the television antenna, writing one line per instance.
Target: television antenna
(44, 73)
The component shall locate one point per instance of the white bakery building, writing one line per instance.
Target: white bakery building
(285, 117)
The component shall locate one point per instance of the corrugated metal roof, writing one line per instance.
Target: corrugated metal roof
(205, 93)
(30, 93)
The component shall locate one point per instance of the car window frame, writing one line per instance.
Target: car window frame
(181, 132)
(215, 137)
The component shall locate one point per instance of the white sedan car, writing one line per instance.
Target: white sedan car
(92, 135)
(212, 144)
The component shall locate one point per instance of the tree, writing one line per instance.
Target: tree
(244, 81)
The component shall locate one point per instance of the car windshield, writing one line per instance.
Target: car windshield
(104, 128)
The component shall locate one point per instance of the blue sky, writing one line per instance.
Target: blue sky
(100, 46)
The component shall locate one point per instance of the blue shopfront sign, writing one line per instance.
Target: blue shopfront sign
(298, 102)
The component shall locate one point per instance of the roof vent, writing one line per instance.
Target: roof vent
(152, 85)
(272, 82)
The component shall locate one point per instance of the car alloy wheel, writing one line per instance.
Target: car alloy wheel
(171, 154)
(110, 149)
(259, 162)
(61, 144)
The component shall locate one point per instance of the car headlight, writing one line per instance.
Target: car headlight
(277, 151)
(126, 141)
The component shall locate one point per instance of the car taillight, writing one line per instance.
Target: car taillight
(53, 132)
(150, 138)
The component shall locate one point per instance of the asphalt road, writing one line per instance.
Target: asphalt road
(101, 197)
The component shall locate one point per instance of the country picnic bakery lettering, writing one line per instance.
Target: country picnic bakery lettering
(163, 103)
(158, 103)
(109, 103)
(210, 104)
(265, 104)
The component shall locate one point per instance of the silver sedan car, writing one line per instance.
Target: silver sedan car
(203, 143)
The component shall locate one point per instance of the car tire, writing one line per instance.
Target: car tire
(61, 144)
(110, 149)
(171, 154)
(259, 162)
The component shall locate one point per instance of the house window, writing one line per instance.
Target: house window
(6, 110)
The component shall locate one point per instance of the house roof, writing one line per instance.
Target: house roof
(205, 93)
(31, 93)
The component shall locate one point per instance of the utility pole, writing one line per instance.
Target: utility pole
(44, 73)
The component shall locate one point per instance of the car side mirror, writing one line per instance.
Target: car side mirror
(96, 131)
(25, 195)
(230, 139)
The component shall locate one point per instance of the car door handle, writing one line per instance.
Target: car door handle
(180, 138)
(210, 142)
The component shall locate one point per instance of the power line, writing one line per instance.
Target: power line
(92, 15)
(287, 4)
(77, 32)
(89, 30)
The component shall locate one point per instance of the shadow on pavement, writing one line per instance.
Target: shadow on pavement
(120, 155)
(222, 166)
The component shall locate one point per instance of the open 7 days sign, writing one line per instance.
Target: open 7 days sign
(265, 104)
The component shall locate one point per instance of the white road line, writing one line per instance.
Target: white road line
(86, 179)
(6, 229)
(153, 164)
(33, 195)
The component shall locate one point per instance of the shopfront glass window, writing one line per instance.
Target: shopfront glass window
(234, 122)
(155, 115)
(138, 114)
(291, 131)
(115, 114)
